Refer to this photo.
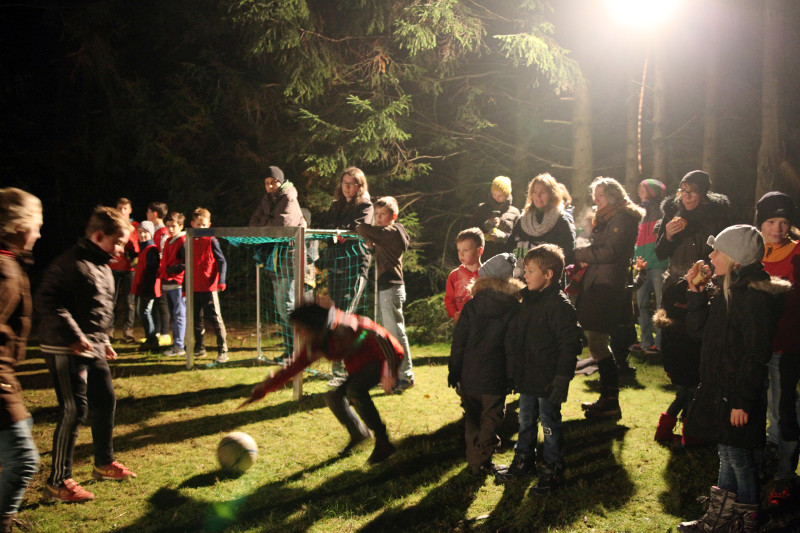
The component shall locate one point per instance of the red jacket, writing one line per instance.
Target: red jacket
(456, 293)
(160, 237)
(209, 264)
(172, 266)
(145, 281)
(124, 262)
(784, 261)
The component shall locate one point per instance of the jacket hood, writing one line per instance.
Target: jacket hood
(715, 202)
(403, 233)
(508, 286)
(773, 285)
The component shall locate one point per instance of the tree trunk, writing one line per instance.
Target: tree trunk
(632, 173)
(659, 115)
(582, 165)
(770, 153)
(710, 111)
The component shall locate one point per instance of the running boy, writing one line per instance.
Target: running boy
(170, 274)
(478, 361)
(542, 347)
(370, 355)
(469, 244)
(209, 277)
(391, 241)
(146, 287)
(75, 303)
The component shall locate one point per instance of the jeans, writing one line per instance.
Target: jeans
(532, 409)
(283, 289)
(144, 308)
(20, 460)
(390, 304)
(177, 307)
(654, 283)
(123, 279)
(784, 411)
(738, 474)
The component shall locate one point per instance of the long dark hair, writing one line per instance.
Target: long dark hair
(358, 175)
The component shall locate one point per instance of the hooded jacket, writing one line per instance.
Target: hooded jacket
(477, 354)
(496, 241)
(15, 325)
(391, 242)
(279, 209)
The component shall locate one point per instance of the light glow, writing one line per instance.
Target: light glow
(642, 14)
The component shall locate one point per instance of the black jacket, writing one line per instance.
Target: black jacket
(344, 215)
(496, 236)
(76, 298)
(477, 354)
(543, 341)
(737, 345)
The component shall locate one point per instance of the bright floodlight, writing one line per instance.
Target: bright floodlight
(641, 14)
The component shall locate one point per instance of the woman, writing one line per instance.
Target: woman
(603, 301)
(543, 220)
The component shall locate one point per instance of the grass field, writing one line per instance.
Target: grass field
(169, 421)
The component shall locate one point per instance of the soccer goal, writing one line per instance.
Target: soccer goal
(269, 271)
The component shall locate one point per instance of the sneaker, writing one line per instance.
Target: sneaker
(549, 480)
(382, 451)
(172, 352)
(200, 352)
(112, 472)
(488, 468)
(403, 384)
(222, 357)
(636, 348)
(781, 493)
(69, 491)
(149, 346)
(653, 350)
(605, 407)
(522, 466)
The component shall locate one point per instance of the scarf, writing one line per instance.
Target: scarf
(607, 213)
(533, 227)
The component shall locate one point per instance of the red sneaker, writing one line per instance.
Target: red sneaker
(69, 492)
(112, 472)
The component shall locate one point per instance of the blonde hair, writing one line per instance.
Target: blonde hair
(109, 221)
(389, 203)
(19, 211)
(549, 183)
(733, 266)
(614, 192)
(201, 213)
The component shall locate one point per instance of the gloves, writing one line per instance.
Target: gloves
(559, 389)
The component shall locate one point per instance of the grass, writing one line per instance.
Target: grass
(170, 420)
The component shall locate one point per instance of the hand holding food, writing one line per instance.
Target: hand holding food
(698, 276)
(675, 226)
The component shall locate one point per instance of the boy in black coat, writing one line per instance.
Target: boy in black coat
(477, 358)
(542, 346)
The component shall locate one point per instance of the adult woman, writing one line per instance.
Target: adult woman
(603, 302)
(544, 220)
(689, 218)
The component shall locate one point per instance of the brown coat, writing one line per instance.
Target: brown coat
(15, 325)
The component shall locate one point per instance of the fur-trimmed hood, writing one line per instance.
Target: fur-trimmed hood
(508, 286)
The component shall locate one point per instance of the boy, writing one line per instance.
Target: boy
(75, 303)
(145, 286)
(477, 366)
(156, 212)
(370, 355)
(209, 277)
(542, 346)
(170, 275)
(122, 266)
(391, 241)
(20, 222)
(469, 244)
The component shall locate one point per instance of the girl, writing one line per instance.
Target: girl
(737, 324)
(496, 217)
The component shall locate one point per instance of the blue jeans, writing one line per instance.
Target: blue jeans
(283, 290)
(653, 284)
(390, 304)
(144, 308)
(531, 409)
(20, 460)
(177, 307)
(738, 473)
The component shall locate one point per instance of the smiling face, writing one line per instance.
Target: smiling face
(690, 196)
(143, 234)
(775, 230)
(111, 244)
(540, 196)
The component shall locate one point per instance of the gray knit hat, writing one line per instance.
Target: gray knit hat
(149, 226)
(742, 243)
(499, 266)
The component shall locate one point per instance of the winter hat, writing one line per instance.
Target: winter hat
(149, 226)
(699, 179)
(742, 243)
(774, 205)
(654, 187)
(499, 266)
(502, 184)
(275, 172)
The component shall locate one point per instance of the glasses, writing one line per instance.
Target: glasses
(687, 192)
(350, 183)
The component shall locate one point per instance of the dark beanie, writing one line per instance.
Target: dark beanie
(774, 205)
(698, 178)
(275, 172)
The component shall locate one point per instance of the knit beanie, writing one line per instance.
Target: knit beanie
(699, 179)
(275, 172)
(655, 188)
(499, 266)
(774, 205)
(502, 184)
(149, 226)
(742, 243)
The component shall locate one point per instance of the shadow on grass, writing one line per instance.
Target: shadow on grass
(689, 473)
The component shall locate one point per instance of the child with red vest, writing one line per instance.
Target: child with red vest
(170, 274)
(209, 278)
(122, 266)
(146, 287)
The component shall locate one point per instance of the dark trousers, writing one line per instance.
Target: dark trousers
(123, 299)
(355, 390)
(81, 383)
(483, 415)
(161, 315)
(206, 306)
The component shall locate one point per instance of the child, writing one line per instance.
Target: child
(156, 212)
(737, 325)
(469, 244)
(391, 241)
(542, 347)
(209, 277)
(122, 266)
(370, 355)
(75, 303)
(496, 217)
(170, 275)
(477, 366)
(146, 286)
(20, 221)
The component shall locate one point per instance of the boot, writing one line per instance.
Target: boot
(346, 416)
(745, 518)
(550, 477)
(687, 441)
(522, 466)
(607, 406)
(664, 429)
(718, 516)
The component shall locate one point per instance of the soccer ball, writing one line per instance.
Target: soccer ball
(237, 452)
